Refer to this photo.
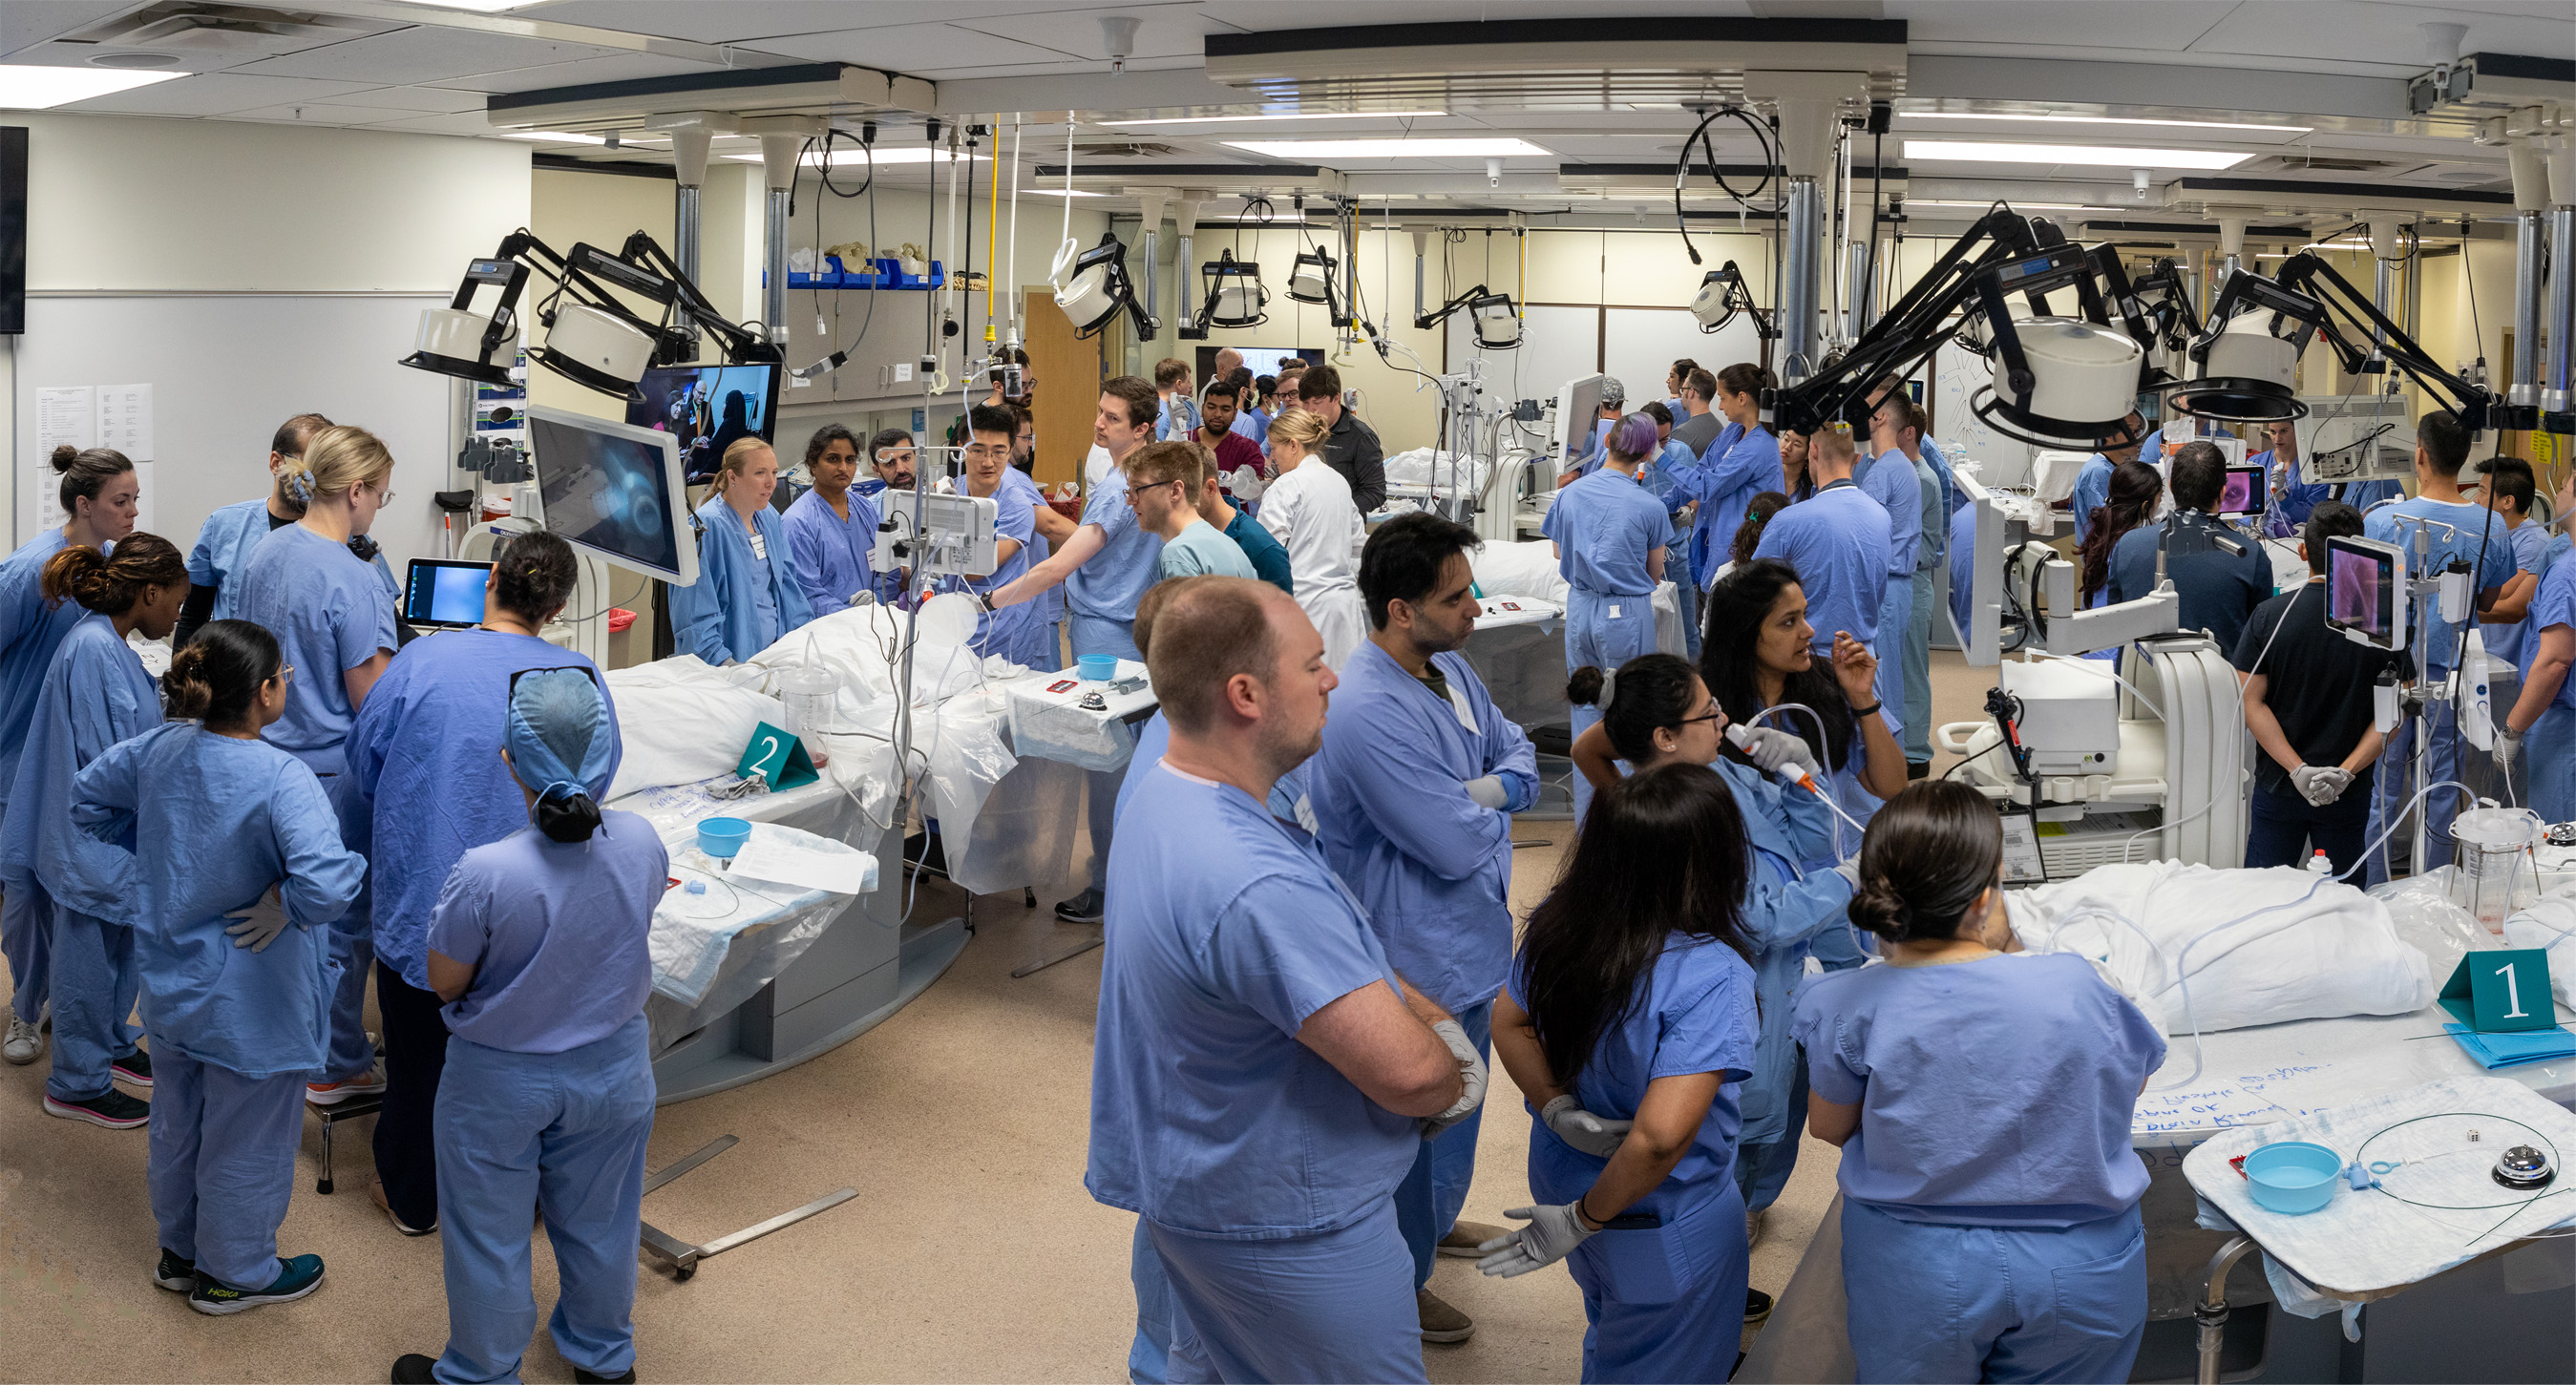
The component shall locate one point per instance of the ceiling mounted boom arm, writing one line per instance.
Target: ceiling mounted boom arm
(740, 345)
(2306, 274)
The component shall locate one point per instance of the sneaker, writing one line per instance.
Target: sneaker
(1086, 907)
(1440, 1322)
(583, 1377)
(367, 1083)
(112, 1109)
(376, 1195)
(1753, 1227)
(174, 1273)
(1465, 1236)
(1757, 1307)
(412, 1368)
(295, 1278)
(24, 1043)
(134, 1069)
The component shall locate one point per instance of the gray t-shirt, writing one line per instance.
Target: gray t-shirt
(1698, 431)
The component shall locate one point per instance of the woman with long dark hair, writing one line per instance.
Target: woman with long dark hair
(1628, 1023)
(2135, 488)
(1982, 1102)
(1756, 656)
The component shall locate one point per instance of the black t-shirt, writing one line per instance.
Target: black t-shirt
(2317, 683)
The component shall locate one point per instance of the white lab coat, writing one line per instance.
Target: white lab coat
(1309, 510)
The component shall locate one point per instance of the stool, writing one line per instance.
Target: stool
(332, 1115)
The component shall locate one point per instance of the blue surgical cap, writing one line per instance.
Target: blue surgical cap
(559, 736)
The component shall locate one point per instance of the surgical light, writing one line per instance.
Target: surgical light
(1310, 280)
(2244, 367)
(1235, 295)
(1093, 288)
(1722, 295)
(1498, 323)
(2073, 380)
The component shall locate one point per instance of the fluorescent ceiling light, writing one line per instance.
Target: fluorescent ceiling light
(1279, 115)
(26, 87)
(845, 158)
(555, 137)
(2107, 156)
(2099, 120)
(1390, 148)
(2017, 205)
(478, 6)
(1064, 192)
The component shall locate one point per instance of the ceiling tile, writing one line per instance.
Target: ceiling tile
(322, 113)
(423, 54)
(1169, 31)
(620, 67)
(462, 123)
(419, 100)
(215, 93)
(917, 49)
(2379, 33)
(2168, 26)
(27, 22)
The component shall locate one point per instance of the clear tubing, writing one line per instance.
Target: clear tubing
(1808, 781)
(2191, 1020)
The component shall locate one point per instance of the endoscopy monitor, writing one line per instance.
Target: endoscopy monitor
(706, 407)
(2242, 495)
(2366, 592)
(1578, 408)
(613, 491)
(444, 593)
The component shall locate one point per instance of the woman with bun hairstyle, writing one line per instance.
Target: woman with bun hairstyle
(1628, 1023)
(1982, 1099)
(239, 874)
(333, 617)
(99, 492)
(95, 694)
(1657, 711)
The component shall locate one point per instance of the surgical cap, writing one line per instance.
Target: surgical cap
(559, 736)
(1613, 393)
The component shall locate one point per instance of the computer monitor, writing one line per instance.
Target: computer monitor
(2366, 592)
(706, 407)
(615, 491)
(1578, 408)
(2243, 494)
(444, 593)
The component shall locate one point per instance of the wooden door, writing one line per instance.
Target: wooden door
(1068, 388)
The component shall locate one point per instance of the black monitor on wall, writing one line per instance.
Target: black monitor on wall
(706, 408)
(13, 229)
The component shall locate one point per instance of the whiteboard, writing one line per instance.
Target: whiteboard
(226, 369)
(1959, 375)
(1644, 342)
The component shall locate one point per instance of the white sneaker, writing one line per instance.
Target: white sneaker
(23, 1044)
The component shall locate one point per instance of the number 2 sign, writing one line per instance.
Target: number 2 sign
(2501, 992)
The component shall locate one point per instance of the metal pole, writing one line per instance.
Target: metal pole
(2211, 1311)
(778, 153)
(1798, 287)
(2530, 225)
(2556, 395)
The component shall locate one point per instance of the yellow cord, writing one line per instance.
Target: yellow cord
(992, 230)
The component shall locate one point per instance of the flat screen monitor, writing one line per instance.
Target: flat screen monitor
(2242, 495)
(706, 407)
(444, 592)
(1578, 408)
(614, 490)
(2366, 592)
(13, 229)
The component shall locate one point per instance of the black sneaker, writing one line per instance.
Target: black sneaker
(175, 1274)
(1086, 907)
(583, 1377)
(134, 1069)
(112, 1109)
(412, 1368)
(295, 1278)
(1757, 1306)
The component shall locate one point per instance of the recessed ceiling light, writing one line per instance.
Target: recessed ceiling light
(2098, 120)
(1277, 115)
(555, 137)
(1390, 148)
(845, 157)
(2105, 155)
(27, 87)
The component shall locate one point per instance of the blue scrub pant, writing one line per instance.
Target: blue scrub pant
(1895, 617)
(2282, 829)
(353, 943)
(1665, 1304)
(562, 1133)
(1762, 1170)
(1428, 1200)
(95, 982)
(1331, 1306)
(2399, 780)
(1149, 1357)
(223, 1164)
(1094, 635)
(1687, 589)
(1949, 1303)
(1595, 636)
(27, 936)
(1047, 647)
(2551, 751)
(1918, 672)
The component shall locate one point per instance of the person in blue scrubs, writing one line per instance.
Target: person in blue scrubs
(1661, 478)
(831, 529)
(2462, 531)
(95, 694)
(1419, 776)
(1841, 543)
(100, 493)
(1610, 535)
(1010, 632)
(1261, 1075)
(1105, 568)
(2217, 589)
(748, 593)
(2093, 482)
(1895, 477)
(1982, 1102)
(1628, 1024)
(2545, 712)
(2507, 486)
(1760, 655)
(425, 758)
(539, 946)
(1587, 447)
(1743, 462)
(239, 875)
(1046, 614)
(225, 540)
(334, 617)
(1963, 569)
(2288, 500)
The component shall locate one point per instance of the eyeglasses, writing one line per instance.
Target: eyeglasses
(286, 674)
(1714, 713)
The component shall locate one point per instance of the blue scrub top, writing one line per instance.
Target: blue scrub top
(1660, 473)
(1837, 540)
(1129, 563)
(2471, 527)
(1288, 798)
(1253, 424)
(1963, 562)
(832, 554)
(224, 545)
(741, 604)
(425, 757)
(1012, 631)
(95, 694)
(2554, 604)
(1739, 465)
(2033, 1131)
(1692, 1012)
(1202, 548)
(2092, 492)
(557, 934)
(29, 632)
(1899, 491)
(1786, 919)
(1607, 529)
(330, 612)
(1433, 866)
(2530, 554)
(1048, 607)
(1226, 933)
(216, 821)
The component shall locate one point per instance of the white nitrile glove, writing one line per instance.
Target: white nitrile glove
(1770, 748)
(1471, 1071)
(258, 924)
(1585, 1131)
(1553, 1231)
(2507, 741)
(1489, 792)
(1849, 871)
(2320, 784)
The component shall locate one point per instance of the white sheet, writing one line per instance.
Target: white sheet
(683, 720)
(2549, 922)
(2280, 944)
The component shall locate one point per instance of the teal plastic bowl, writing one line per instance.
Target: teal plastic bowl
(1096, 668)
(2293, 1177)
(722, 837)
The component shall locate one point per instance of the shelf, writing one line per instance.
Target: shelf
(885, 273)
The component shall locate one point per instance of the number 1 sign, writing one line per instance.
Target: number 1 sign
(2501, 992)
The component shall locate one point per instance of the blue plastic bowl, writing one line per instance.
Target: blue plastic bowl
(2293, 1177)
(1096, 668)
(722, 837)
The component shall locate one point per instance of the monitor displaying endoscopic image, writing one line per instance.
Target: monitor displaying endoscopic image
(614, 491)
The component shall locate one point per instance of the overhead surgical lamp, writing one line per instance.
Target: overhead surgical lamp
(1310, 280)
(2244, 366)
(1235, 296)
(1497, 322)
(1093, 288)
(591, 338)
(1722, 296)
